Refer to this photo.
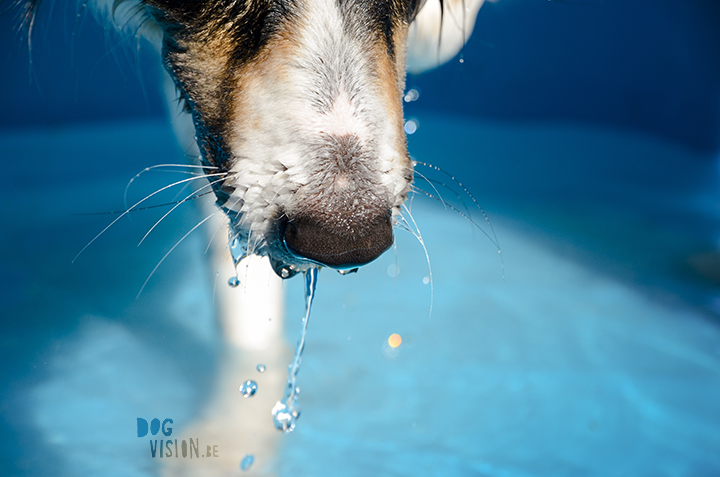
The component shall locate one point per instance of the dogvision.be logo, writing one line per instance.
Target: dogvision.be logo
(171, 447)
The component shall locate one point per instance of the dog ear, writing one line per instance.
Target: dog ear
(439, 31)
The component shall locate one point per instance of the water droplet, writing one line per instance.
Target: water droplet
(411, 125)
(247, 462)
(238, 249)
(347, 271)
(285, 272)
(393, 270)
(260, 368)
(249, 388)
(426, 280)
(233, 282)
(284, 416)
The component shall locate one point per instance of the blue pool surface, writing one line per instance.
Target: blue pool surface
(589, 132)
(594, 351)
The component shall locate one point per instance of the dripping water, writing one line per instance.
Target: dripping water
(247, 462)
(238, 250)
(286, 411)
(248, 388)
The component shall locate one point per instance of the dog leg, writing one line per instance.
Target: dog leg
(250, 319)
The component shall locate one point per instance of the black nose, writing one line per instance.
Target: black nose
(338, 244)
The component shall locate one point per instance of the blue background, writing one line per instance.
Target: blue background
(590, 132)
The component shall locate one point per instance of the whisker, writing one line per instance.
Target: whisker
(157, 166)
(212, 238)
(237, 200)
(226, 249)
(416, 232)
(209, 184)
(417, 189)
(173, 248)
(433, 186)
(147, 207)
(494, 238)
(133, 206)
(439, 197)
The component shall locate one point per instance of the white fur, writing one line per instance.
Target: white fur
(273, 154)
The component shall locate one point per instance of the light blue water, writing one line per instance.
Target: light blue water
(597, 354)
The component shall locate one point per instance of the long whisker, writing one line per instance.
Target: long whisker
(495, 242)
(158, 166)
(445, 204)
(209, 184)
(212, 238)
(135, 205)
(492, 239)
(415, 230)
(433, 186)
(173, 248)
(147, 207)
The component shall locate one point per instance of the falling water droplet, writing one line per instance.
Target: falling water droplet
(233, 282)
(284, 416)
(286, 411)
(249, 388)
(247, 462)
(260, 368)
(238, 249)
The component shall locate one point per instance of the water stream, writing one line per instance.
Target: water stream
(286, 411)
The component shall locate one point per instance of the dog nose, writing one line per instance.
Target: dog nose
(338, 244)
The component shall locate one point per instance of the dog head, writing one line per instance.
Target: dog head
(298, 104)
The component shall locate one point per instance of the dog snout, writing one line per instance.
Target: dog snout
(338, 243)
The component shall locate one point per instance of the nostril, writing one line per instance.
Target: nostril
(338, 247)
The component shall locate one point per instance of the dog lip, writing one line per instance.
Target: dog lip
(307, 239)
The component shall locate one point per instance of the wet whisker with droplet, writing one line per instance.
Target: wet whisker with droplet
(492, 236)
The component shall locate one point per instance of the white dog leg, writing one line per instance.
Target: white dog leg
(250, 318)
